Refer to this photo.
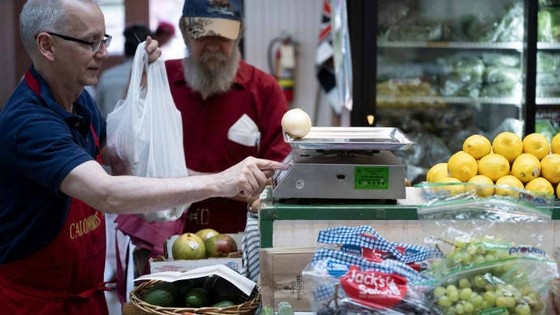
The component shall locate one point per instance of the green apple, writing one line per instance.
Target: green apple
(188, 246)
(205, 234)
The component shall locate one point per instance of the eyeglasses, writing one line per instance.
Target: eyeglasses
(95, 45)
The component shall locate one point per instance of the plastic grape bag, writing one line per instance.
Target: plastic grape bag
(495, 256)
(144, 132)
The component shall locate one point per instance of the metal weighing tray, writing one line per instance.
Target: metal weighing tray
(351, 138)
(323, 141)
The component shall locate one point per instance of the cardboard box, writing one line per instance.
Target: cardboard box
(169, 264)
(281, 279)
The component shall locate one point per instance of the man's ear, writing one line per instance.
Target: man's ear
(44, 46)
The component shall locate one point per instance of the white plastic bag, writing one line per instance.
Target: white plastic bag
(144, 132)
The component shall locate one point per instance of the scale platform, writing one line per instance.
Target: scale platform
(344, 163)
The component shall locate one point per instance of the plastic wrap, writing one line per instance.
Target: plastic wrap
(357, 271)
(495, 257)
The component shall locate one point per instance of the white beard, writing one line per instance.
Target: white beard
(212, 73)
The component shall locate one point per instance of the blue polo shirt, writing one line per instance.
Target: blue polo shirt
(40, 143)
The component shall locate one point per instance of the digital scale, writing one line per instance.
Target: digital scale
(344, 163)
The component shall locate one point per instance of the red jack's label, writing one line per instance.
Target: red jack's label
(374, 289)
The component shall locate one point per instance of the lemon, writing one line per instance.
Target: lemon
(477, 146)
(536, 144)
(455, 186)
(484, 185)
(436, 172)
(550, 168)
(558, 191)
(493, 165)
(462, 166)
(508, 186)
(526, 167)
(555, 144)
(540, 185)
(507, 144)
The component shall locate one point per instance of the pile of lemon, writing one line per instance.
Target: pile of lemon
(531, 163)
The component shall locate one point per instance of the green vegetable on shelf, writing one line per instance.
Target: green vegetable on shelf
(285, 308)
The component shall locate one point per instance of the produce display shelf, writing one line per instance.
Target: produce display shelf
(550, 46)
(365, 212)
(548, 100)
(450, 45)
(450, 100)
(391, 215)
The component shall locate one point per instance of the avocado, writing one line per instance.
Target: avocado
(160, 297)
(224, 303)
(197, 297)
(223, 290)
(183, 286)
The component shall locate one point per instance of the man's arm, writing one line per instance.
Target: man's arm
(130, 194)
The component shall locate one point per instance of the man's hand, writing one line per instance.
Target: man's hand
(249, 177)
(152, 49)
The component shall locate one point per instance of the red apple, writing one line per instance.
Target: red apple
(220, 245)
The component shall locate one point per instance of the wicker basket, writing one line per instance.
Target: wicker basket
(247, 308)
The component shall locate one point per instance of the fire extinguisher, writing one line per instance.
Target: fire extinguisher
(282, 62)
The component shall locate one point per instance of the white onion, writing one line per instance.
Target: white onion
(296, 123)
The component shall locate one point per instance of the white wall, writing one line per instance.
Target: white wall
(265, 20)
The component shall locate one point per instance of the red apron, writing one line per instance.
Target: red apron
(65, 277)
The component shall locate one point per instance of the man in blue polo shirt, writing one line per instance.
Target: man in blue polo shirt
(53, 189)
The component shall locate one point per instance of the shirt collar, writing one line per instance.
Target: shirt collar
(79, 120)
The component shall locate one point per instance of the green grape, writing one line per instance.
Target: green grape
(467, 259)
(499, 292)
(459, 309)
(505, 301)
(479, 260)
(489, 297)
(510, 301)
(476, 299)
(454, 296)
(451, 289)
(522, 309)
(444, 301)
(468, 308)
(464, 283)
(489, 258)
(439, 291)
(486, 305)
(451, 311)
(479, 282)
(458, 243)
(465, 294)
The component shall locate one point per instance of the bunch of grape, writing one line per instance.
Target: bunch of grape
(477, 252)
(484, 277)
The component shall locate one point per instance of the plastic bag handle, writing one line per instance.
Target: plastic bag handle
(139, 64)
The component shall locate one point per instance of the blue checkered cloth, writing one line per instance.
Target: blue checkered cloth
(250, 244)
(367, 237)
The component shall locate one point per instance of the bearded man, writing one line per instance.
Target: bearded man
(230, 110)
